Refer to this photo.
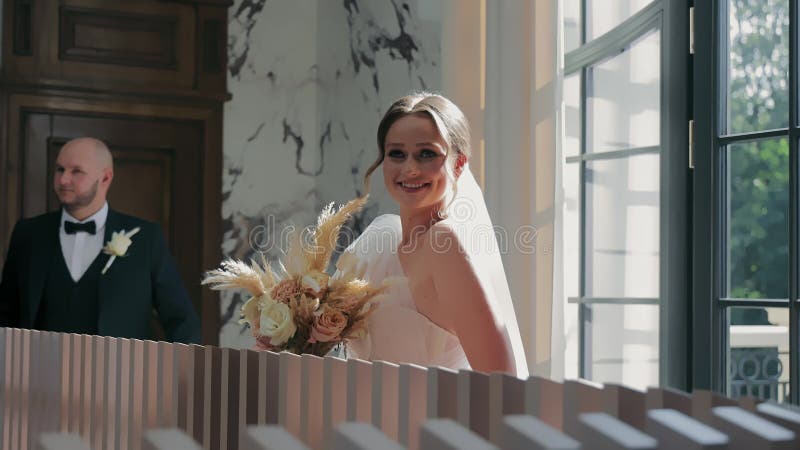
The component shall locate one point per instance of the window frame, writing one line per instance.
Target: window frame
(671, 19)
(710, 306)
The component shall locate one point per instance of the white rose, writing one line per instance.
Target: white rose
(118, 245)
(277, 323)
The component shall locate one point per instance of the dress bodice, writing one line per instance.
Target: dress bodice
(397, 331)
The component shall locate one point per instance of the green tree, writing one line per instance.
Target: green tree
(758, 172)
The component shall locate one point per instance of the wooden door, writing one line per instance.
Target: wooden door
(157, 170)
(146, 76)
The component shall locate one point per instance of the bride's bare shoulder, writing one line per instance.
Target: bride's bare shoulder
(445, 244)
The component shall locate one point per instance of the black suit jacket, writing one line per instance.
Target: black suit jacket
(144, 279)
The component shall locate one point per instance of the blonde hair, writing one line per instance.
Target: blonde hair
(448, 118)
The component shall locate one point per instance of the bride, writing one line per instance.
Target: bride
(454, 307)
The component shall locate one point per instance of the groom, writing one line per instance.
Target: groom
(57, 278)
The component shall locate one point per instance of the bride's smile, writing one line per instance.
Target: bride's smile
(412, 188)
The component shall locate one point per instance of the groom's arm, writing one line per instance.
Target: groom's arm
(175, 310)
(9, 283)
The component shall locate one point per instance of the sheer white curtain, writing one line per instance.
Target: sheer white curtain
(523, 110)
(502, 62)
(550, 38)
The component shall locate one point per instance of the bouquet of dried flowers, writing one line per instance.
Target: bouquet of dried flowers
(300, 308)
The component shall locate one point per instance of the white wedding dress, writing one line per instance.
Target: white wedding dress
(397, 332)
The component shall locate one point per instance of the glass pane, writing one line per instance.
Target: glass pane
(622, 227)
(606, 14)
(623, 98)
(572, 114)
(572, 269)
(624, 346)
(572, 24)
(571, 341)
(572, 227)
(758, 220)
(758, 68)
(758, 357)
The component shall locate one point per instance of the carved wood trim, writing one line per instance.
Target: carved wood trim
(213, 46)
(160, 95)
(212, 49)
(23, 27)
(223, 3)
(105, 37)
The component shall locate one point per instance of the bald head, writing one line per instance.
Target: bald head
(84, 170)
(91, 149)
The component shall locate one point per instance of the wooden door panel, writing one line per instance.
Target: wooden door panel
(37, 180)
(143, 184)
(135, 41)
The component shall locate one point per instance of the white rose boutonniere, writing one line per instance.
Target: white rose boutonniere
(118, 245)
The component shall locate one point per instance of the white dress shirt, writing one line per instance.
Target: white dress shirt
(81, 249)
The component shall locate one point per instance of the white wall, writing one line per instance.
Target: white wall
(310, 81)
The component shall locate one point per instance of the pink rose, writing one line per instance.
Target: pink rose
(327, 325)
(285, 290)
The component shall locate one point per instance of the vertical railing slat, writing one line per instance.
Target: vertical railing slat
(112, 391)
(311, 386)
(442, 393)
(385, 401)
(87, 388)
(544, 399)
(506, 397)
(668, 398)
(413, 407)
(626, 404)
(473, 401)
(334, 393)
(141, 384)
(359, 391)
(580, 396)
(289, 409)
(99, 400)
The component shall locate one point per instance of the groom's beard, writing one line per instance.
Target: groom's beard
(82, 200)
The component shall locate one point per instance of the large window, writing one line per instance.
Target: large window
(746, 198)
(623, 189)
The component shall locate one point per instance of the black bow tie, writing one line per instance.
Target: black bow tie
(74, 227)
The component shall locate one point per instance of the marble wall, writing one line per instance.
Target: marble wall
(310, 80)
